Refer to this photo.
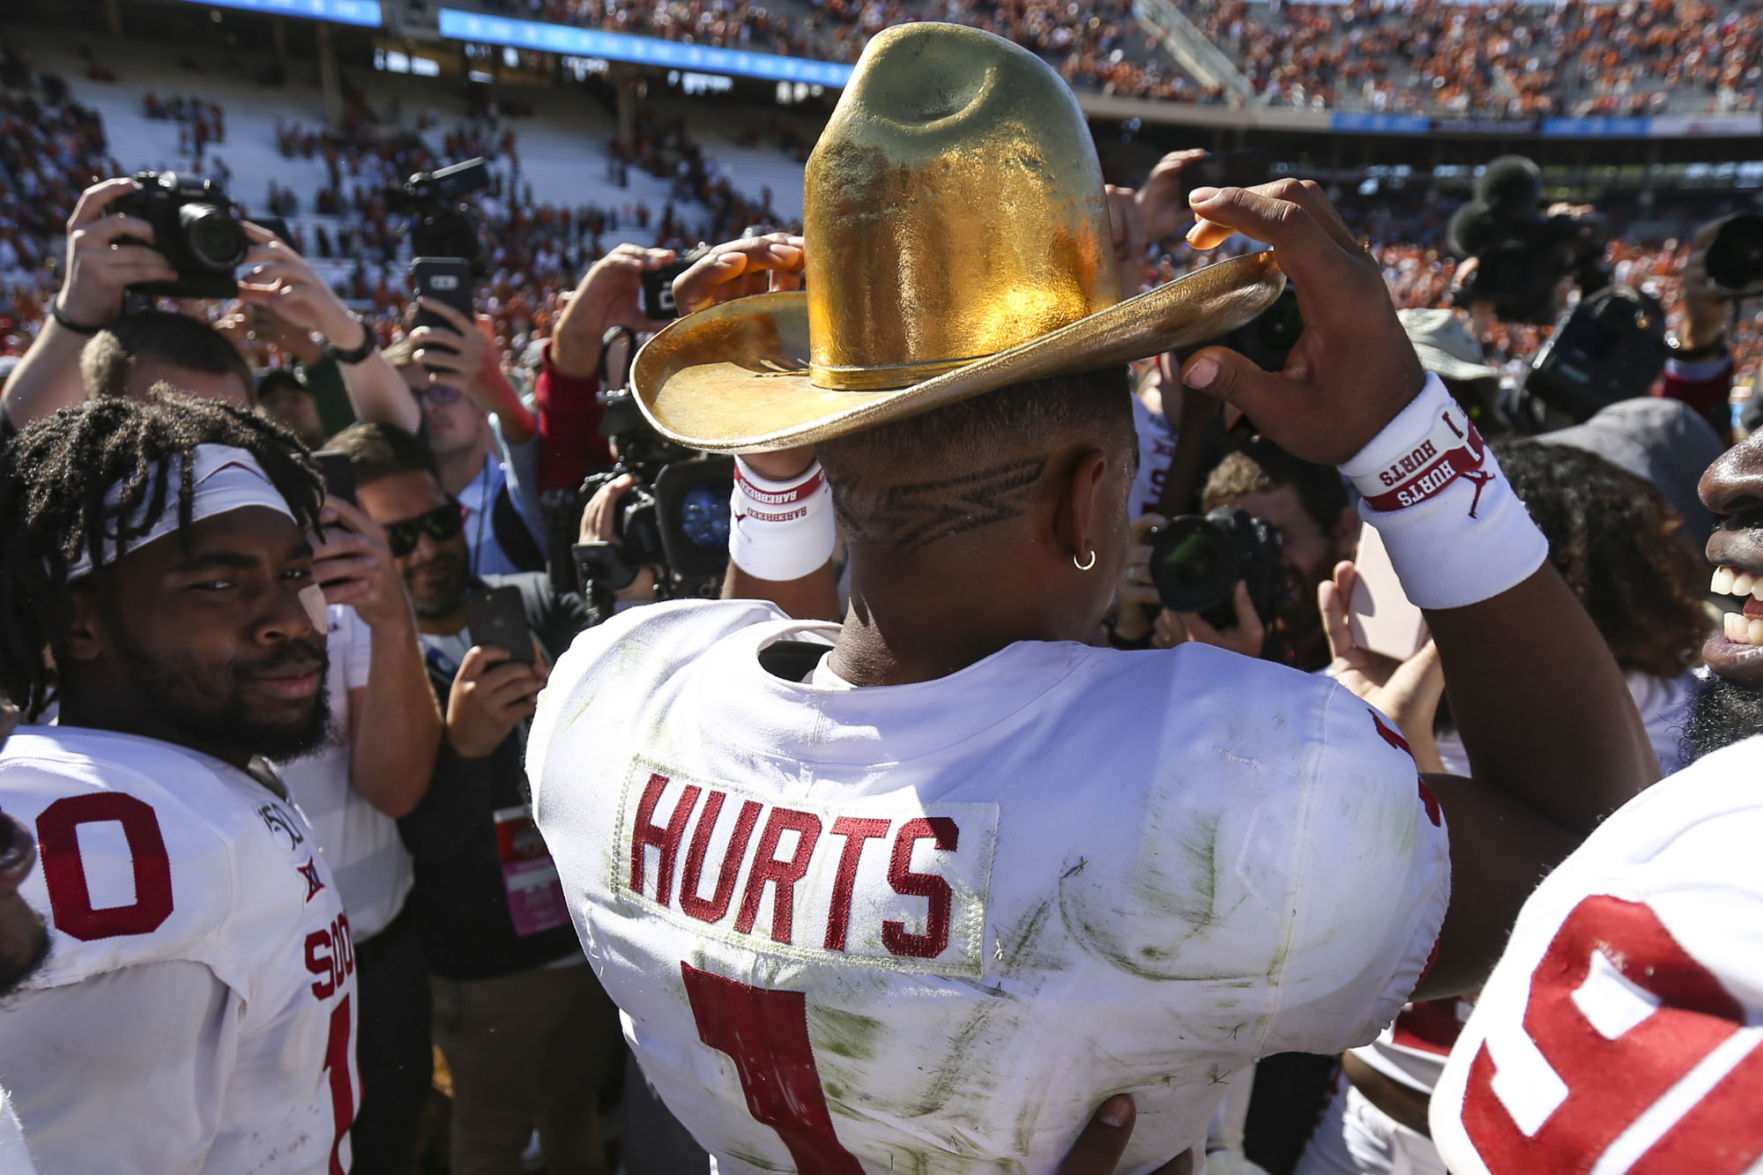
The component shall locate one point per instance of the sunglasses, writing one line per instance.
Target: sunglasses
(440, 394)
(441, 523)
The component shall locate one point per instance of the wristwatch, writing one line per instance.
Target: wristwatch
(369, 344)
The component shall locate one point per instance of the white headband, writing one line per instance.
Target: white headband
(225, 478)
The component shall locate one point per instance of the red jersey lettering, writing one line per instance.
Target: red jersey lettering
(935, 938)
(784, 874)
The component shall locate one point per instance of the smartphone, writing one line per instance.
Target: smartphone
(495, 616)
(657, 295)
(339, 475)
(1379, 614)
(445, 279)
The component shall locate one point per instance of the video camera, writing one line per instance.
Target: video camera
(1521, 254)
(1610, 347)
(194, 229)
(675, 517)
(1197, 561)
(442, 224)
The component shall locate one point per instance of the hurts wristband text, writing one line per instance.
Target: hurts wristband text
(1455, 531)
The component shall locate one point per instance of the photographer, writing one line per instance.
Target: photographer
(1699, 371)
(572, 371)
(102, 266)
(482, 437)
(1306, 506)
(527, 1032)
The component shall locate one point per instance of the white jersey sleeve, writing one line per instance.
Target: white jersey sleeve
(156, 861)
(1622, 1030)
(170, 1068)
(1369, 876)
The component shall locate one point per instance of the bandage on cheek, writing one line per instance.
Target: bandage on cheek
(312, 597)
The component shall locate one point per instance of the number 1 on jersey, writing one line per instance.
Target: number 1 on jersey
(765, 1033)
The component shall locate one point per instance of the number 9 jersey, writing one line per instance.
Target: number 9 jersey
(929, 927)
(1622, 1030)
(195, 1012)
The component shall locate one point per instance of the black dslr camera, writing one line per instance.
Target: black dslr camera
(675, 517)
(1197, 561)
(193, 228)
(441, 223)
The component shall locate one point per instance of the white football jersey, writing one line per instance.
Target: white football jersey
(159, 868)
(1620, 1031)
(930, 927)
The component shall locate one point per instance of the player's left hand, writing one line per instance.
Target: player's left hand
(352, 561)
(1353, 369)
(284, 281)
(735, 269)
(1098, 1149)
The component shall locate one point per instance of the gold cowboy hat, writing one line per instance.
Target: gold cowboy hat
(957, 242)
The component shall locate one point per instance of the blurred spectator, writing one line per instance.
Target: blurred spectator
(528, 1034)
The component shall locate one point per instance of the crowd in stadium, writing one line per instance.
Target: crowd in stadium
(962, 707)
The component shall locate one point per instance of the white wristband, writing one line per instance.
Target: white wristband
(780, 530)
(1455, 531)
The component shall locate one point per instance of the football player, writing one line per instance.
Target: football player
(1622, 1030)
(921, 890)
(195, 1011)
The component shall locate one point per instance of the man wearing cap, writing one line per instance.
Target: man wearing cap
(196, 1011)
(1446, 348)
(920, 891)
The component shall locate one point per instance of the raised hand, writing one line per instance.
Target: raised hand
(1352, 369)
(98, 268)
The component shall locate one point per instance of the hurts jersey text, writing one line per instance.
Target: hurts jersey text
(861, 885)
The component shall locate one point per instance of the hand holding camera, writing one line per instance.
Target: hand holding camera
(285, 282)
(352, 561)
(460, 353)
(600, 526)
(108, 250)
(491, 693)
(610, 294)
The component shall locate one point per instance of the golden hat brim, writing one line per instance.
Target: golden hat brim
(734, 378)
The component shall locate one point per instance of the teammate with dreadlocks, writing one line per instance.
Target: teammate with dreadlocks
(195, 1012)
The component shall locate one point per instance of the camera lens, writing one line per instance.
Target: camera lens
(703, 516)
(1193, 564)
(1735, 255)
(212, 237)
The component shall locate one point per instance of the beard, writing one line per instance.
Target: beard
(219, 722)
(447, 594)
(1723, 713)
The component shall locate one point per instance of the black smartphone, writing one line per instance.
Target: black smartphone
(657, 297)
(495, 616)
(445, 279)
(339, 475)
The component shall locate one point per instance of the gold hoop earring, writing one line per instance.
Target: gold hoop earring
(1084, 566)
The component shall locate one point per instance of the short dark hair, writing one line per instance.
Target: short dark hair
(109, 357)
(378, 451)
(1609, 536)
(1257, 465)
(278, 380)
(964, 465)
(54, 478)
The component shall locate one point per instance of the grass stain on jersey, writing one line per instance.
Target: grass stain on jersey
(755, 1161)
(842, 1033)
